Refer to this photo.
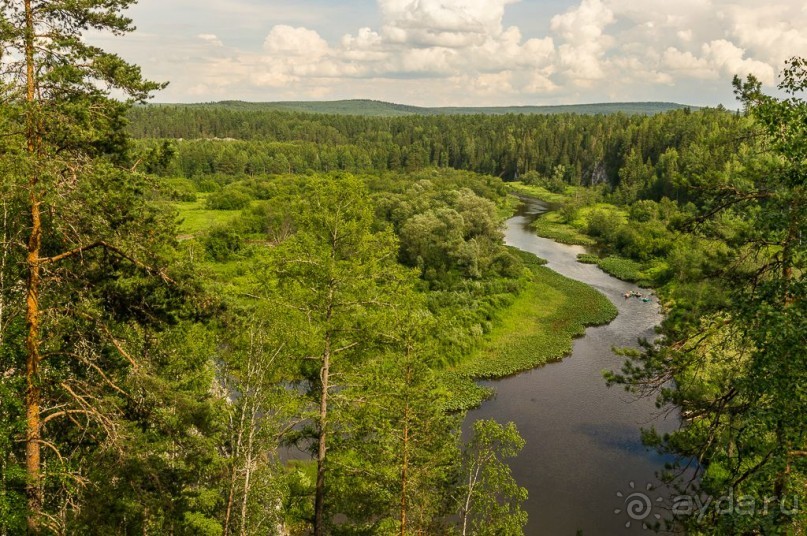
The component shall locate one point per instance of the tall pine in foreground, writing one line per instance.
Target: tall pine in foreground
(738, 368)
(395, 461)
(91, 320)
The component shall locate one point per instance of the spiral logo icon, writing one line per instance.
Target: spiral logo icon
(638, 505)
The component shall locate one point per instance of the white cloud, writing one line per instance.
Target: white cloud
(451, 51)
(211, 38)
(286, 41)
(446, 23)
(583, 25)
(585, 43)
(774, 32)
(687, 64)
(730, 60)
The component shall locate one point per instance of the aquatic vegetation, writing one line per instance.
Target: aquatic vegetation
(539, 327)
(622, 268)
(588, 258)
(551, 226)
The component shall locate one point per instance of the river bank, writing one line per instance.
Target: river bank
(583, 439)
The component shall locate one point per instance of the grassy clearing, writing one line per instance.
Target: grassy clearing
(195, 217)
(551, 226)
(584, 213)
(536, 329)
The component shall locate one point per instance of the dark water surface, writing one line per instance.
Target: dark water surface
(583, 444)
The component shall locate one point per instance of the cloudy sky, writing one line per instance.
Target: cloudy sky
(462, 52)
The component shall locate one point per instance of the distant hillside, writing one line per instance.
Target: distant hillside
(388, 109)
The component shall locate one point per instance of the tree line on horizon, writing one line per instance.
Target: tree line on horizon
(645, 156)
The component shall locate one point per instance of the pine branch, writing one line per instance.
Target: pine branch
(109, 247)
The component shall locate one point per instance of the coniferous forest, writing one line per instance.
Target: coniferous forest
(221, 319)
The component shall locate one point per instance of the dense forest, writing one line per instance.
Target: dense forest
(647, 153)
(217, 320)
(365, 107)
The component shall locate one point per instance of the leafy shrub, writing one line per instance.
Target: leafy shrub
(643, 211)
(228, 199)
(207, 185)
(603, 224)
(221, 243)
(181, 190)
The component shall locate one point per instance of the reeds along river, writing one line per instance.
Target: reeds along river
(584, 457)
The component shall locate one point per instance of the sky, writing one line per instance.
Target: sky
(461, 52)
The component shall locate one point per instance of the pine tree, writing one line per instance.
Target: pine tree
(80, 344)
(396, 457)
(739, 365)
(334, 274)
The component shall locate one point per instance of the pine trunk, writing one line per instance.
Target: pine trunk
(319, 502)
(32, 311)
(404, 470)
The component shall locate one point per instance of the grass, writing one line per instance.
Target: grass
(539, 192)
(195, 217)
(626, 269)
(552, 226)
(583, 213)
(536, 329)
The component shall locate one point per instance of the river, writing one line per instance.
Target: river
(583, 446)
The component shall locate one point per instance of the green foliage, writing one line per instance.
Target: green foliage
(537, 191)
(228, 199)
(400, 279)
(194, 218)
(603, 224)
(401, 440)
(364, 107)
(105, 362)
(180, 190)
(621, 268)
(222, 243)
(240, 140)
(734, 336)
(644, 211)
(491, 500)
(551, 225)
(588, 258)
(540, 325)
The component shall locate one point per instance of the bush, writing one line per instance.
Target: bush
(621, 268)
(228, 199)
(221, 243)
(181, 190)
(588, 258)
(603, 224)
(643, 211)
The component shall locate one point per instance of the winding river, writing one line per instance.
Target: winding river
(583, 445)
